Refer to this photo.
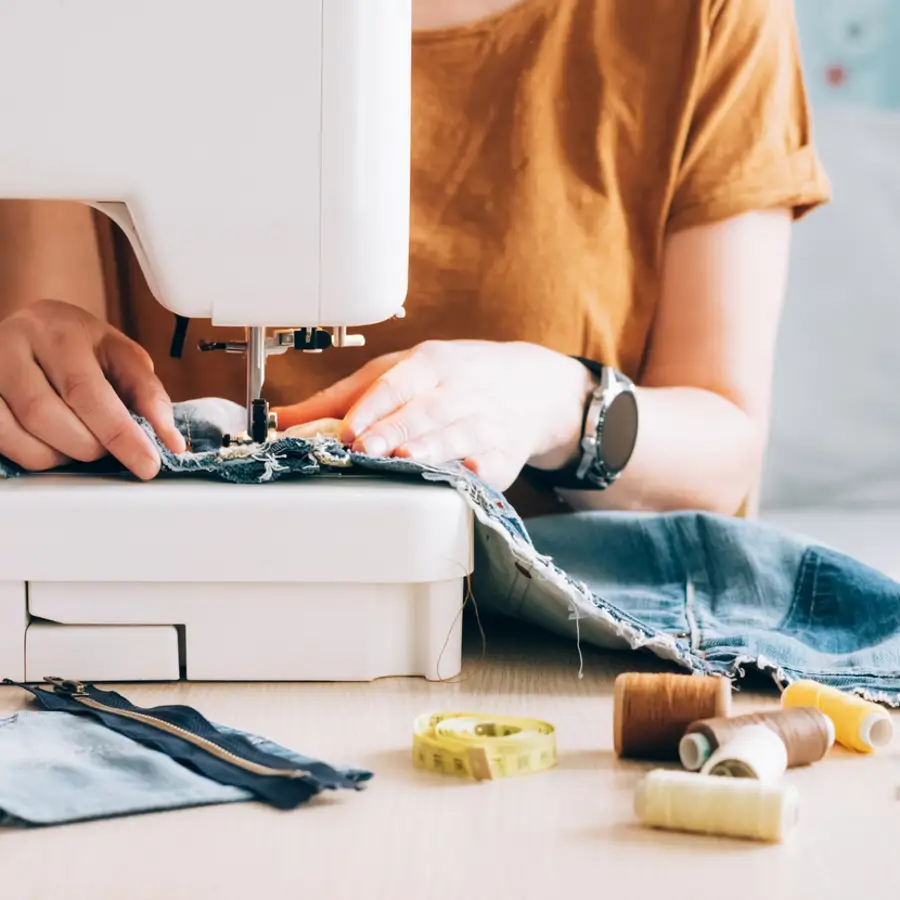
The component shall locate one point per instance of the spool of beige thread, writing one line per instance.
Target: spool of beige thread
(705, 804)
(806, 733)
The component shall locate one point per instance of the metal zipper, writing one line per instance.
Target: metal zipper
(75, 690)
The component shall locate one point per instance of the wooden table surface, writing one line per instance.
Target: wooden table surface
(416, 835)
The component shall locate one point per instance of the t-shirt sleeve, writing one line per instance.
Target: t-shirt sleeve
(749, 136)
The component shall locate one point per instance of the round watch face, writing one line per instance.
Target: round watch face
(620, 427)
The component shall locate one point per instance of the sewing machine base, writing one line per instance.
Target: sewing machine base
(107, 579)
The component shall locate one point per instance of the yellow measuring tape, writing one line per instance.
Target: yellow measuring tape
(482, 746)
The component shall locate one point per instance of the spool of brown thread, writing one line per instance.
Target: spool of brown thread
(651, 712)
(807, 734)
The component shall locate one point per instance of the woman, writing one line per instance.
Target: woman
(599, 179)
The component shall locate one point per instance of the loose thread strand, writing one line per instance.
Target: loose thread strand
(469, 595)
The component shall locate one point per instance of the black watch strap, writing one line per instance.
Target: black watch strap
(596, 475)
(596, 369)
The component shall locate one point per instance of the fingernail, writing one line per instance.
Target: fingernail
(375, 446)
(148, 467)
(359, 421)
(178, 443)
(166, 427)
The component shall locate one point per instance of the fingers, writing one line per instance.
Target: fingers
(40, 412)
(414, 375)
(422, 405)
(421, 416)
(476, 441)
(24, 449)
(59, 402)
(335, 402)
(130, 369)
(79, 381)
(493, 467)
(475, 437)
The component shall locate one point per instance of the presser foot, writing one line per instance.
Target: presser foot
(263, 426)
(262, 423)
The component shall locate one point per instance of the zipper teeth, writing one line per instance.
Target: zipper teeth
(207, 745)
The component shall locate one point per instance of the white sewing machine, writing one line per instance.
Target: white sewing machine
(257, 156)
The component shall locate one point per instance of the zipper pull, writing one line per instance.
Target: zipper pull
(67, 686)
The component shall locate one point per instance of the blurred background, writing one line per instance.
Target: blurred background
(833, 467)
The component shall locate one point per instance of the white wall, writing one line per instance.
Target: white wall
(835, 437)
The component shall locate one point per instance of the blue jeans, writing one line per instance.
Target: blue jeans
(710, 593)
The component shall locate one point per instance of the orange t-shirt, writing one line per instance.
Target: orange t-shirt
(554, 147)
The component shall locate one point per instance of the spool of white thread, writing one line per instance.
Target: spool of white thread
(753, 752)
(706, 804)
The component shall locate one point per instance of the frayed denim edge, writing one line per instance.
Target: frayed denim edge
(582, 602)
(858, 684)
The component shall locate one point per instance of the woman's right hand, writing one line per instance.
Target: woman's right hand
(67, 382)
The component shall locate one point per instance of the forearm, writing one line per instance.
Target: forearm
(695, 450)
(48, 250)
(707, 374)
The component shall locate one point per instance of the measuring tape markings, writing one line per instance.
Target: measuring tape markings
(481, 746)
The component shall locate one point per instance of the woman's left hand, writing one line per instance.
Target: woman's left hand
(493, 406)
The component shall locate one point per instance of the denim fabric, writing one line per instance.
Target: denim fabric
(710, 593)
(296, 786)
(58, 768)
(739, 592)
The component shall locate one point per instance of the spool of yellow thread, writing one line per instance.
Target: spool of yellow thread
(708, 804)
(858, 724)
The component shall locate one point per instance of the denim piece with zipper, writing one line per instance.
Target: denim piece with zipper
(92, 754)
(710, 593)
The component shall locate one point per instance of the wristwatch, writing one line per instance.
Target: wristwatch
(610, 427)
(608, 435)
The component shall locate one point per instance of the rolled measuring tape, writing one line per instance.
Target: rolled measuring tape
(482, 747)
